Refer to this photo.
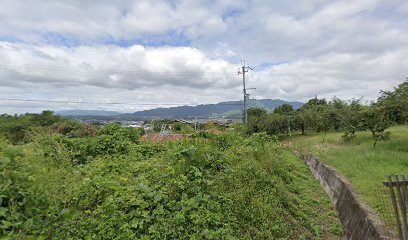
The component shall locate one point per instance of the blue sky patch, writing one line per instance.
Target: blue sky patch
(60, 40)
(268, 65)
(176, 39)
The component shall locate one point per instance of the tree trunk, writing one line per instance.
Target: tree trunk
(324, 137)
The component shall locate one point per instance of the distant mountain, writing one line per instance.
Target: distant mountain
(100, 113)
(230, 109)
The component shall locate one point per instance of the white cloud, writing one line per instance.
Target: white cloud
(125, 19)
(112, 66)
(342, 75)
(59, 49)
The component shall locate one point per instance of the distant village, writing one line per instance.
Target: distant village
(172, 130)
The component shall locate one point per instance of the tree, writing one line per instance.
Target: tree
(395, 103)
(376, 120)
(287, 111)
(118, 132)
(15, 128)
(276, 124)
(350, 119)
(284, 109)
(73, 128)
(325, 119)
(256, 120)
(314, 103)
(304, 119)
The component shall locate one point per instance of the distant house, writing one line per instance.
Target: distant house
(148, 127)
(134, 125)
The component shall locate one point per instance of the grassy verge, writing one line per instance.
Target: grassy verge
(365, 166)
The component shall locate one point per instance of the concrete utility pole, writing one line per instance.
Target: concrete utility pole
(242, 70)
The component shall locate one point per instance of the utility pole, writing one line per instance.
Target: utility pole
(243, 70)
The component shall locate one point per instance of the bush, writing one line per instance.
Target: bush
(111, 186)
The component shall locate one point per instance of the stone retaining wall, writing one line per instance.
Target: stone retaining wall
(358, 220)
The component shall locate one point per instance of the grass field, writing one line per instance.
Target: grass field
(364, 166)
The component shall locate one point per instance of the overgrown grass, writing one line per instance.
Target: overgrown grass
(365, 166)
(228, 187)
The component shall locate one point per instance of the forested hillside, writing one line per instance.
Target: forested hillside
(230, 109)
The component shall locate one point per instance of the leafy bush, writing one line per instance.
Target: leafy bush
(113, 187)
(14, 128)
(119, 132)
(75, 129)
(349, 134)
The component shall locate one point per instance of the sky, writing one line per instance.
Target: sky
(128, 55)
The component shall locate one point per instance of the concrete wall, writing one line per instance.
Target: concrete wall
(358, 220)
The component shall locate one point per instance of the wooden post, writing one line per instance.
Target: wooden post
(394, 205)
(404, 192)
(402, 207)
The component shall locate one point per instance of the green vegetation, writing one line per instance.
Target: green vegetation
(63, 182)
(62, 179)
(316, 115)
(14, 128)
(396, 103)
(346, 135)
(319, 115)
(365, 166)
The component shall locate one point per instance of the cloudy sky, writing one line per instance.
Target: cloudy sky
(144, 54)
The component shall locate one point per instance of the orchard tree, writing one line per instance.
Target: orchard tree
(376, 120)
(311, 113)
(276, 124)
(325, 119)
(256, 120)
(284, 109)
(288, 112)
(314, 103)
(350, 118)
(395, 103)
(304, 119)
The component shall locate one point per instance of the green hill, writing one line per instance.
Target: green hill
(231, 109)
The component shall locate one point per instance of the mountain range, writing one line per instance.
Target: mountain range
(229, 109)
(102, 113)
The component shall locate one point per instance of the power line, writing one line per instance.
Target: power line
(101, 71)
(112, 103)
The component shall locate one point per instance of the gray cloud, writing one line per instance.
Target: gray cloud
(83, 51)
(112, 66)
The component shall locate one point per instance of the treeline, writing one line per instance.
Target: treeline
(18, 129)
(81, 141)
(348, 117)
(14, 128)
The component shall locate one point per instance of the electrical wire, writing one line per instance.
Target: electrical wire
(4, 65)
(111, 103)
